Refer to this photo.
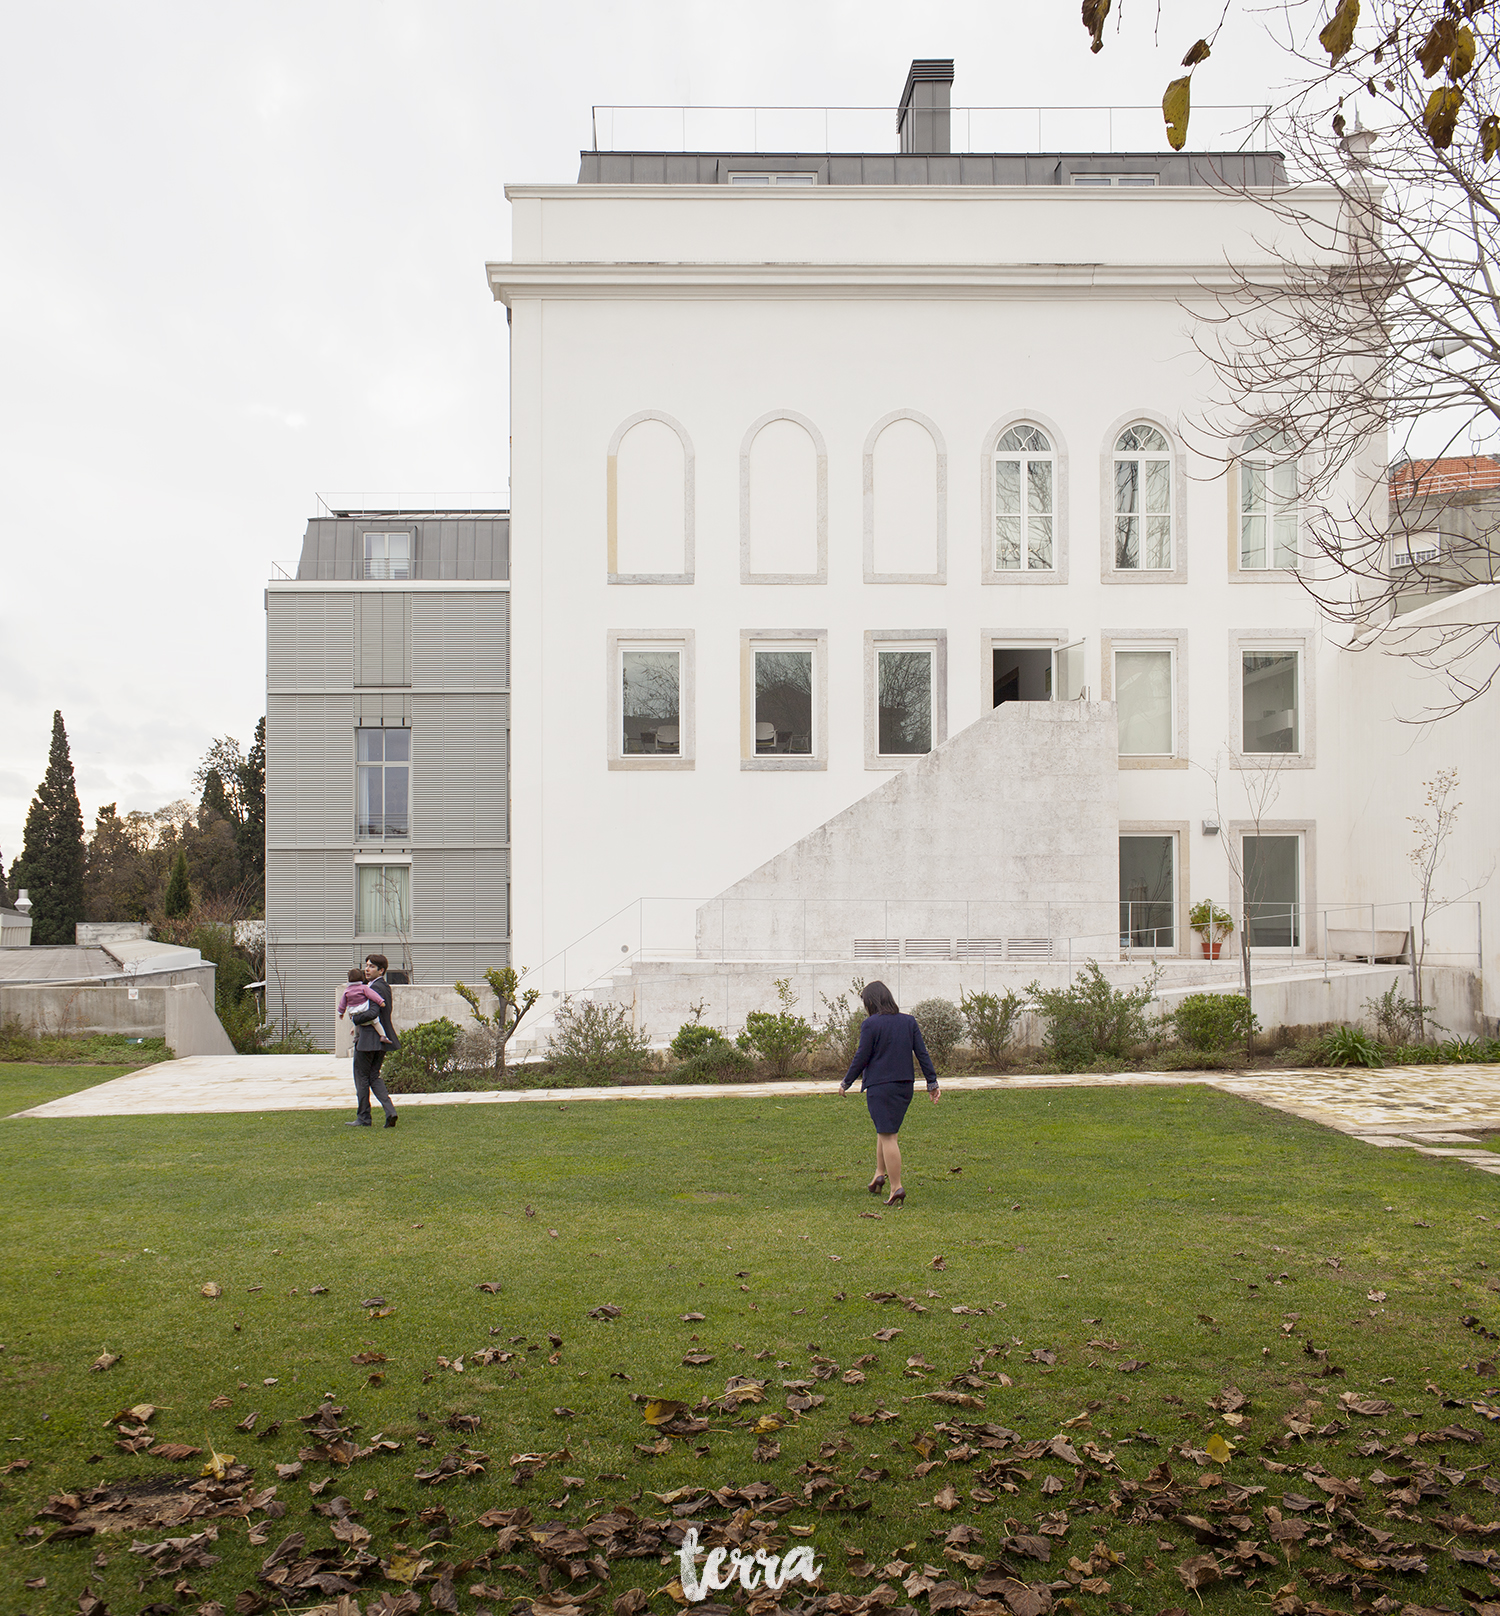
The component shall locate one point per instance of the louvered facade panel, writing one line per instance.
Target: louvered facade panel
(459, 769)
(313, 975)
(382, 710)
(309, 641)
(309, 770)
(383, 620)
(460, 895)
(460, 642)
(310, 897)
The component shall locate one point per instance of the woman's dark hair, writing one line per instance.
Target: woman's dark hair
(878, 1000)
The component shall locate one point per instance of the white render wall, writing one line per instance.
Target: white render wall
(716, 308)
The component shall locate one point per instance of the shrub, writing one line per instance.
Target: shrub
(596, 1041)
(845, 1016)
(295, 1040)
(991, 1022)
(693, 1037)
(778, 1039)
(1348, 1046)
(239, 1012)
(1090, 1020)
(1397, 1020)
(1211, 1021)
(425, 1054)
(713, 1062)
(1458, 1051)
(942, 1026)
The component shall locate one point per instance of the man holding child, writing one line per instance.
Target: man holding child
(372, 1040)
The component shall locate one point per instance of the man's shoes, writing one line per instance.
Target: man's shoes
(356, 1124)
(391, 1120)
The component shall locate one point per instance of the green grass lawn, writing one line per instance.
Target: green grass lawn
(1206, 1240)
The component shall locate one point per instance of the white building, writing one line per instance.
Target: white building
(817, 459)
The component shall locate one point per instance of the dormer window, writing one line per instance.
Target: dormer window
(387, 555)
(1125, 182)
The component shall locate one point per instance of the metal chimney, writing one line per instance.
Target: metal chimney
(923, 118)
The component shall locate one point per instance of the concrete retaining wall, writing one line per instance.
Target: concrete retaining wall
(415, 1003)
(180, 1013)
(663, 993)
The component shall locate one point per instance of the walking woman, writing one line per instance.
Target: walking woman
(887, 1042)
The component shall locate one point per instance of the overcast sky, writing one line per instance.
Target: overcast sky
(242, 263)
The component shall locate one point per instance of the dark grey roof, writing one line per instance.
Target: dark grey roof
(445, 545)
(931, 168)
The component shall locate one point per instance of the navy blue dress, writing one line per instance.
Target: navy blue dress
(886, 1047)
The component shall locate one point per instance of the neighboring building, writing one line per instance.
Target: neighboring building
(1444, 525)
(387, 731)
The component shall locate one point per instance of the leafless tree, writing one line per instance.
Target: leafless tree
(1431, 831)
(1370, 330)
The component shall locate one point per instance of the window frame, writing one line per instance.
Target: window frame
(366, 837)
(383, 862)
(1177, 830)
(1270, 641)
(940, 574)
(616, 645)
(1238, 571)
(892, 639)
(612, 508)
(1305, 830)
(989, 573)
(799, 179)
(1035, 639)
(820, 447)
(1109, 573)
(798, 639)
(1175, 641)
(367, 561)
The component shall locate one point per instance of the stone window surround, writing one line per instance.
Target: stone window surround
(1307, 830)
(1177, 573)
(821, 575)
(370, 842)
(940, 576)
(1036, 639)
(937, 639)
(1257, 575)
(1178, 829)
(752, 762)
(616, 644)
(1174, 640)
(1277, 639)
(1058, 573)
(613, 511)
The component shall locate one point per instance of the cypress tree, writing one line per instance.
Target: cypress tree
(215, 799)
(179, 899)
(250, 836)
(5, 897)
(50, 867)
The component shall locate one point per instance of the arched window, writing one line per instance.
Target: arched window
(1268, 503)
(1025, 500)
(1143, 500)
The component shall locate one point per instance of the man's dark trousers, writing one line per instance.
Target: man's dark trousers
(367, 1081)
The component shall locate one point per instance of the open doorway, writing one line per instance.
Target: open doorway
(1022, 673)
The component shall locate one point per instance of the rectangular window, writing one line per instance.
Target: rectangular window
(784, 701)
(1270, 701)
(1273, 891)
(783, 178)
(383, 893)
(1148, 892)
(904, 700)
(387, 555)
(1144, 694)
(1268, 513)
(1128, 181)
(383, 790)
(651, 704)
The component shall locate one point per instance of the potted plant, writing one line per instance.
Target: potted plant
(1212, 924)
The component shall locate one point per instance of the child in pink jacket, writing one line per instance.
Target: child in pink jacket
(357, 993)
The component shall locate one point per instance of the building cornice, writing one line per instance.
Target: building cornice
(400, 586)
(511, 282)
(814, 195)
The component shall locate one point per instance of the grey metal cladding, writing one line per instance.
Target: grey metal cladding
(460, 757)
(310, 893)
(934, 168)
(460, 642)
(309, 641)
(309, 770)
(383, 638)
(467, 887)
(444, 549)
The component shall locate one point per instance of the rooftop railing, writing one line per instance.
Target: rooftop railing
(873, 129)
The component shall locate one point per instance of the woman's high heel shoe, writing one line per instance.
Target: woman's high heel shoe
(896, 1198)
(876, 1184)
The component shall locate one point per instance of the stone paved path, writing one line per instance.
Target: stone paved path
(1434, 1110)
